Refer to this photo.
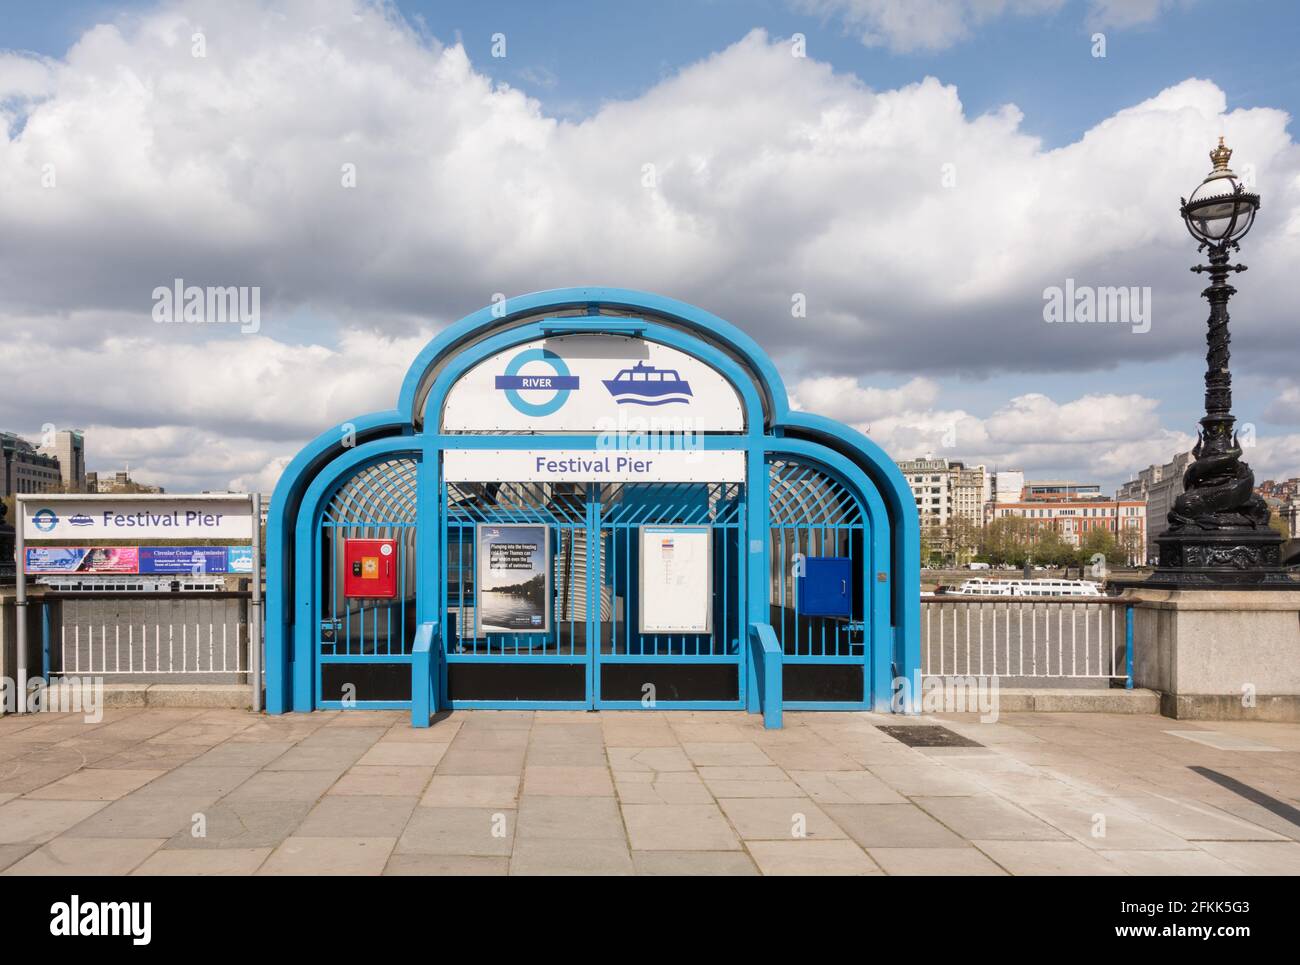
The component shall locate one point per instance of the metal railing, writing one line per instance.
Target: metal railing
(1025, 638)
(147, 635)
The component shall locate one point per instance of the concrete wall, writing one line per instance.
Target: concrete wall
(1217, 655)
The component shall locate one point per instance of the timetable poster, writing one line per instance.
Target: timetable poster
(676, 579)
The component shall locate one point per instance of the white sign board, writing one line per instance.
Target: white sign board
(599, 465)
(83, 518)
(593, 383)
(676, 579)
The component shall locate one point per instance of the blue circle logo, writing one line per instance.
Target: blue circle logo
(45, 520)
(561, 371)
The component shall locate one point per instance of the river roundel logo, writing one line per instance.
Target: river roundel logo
(45, 520)
(546, 392)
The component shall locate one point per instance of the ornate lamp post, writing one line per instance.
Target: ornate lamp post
(1219, 535)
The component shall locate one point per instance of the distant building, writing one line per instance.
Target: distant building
(70, 449)
(1006, 485)
(949, 496)
(1284, 490)
(946, 490)
(25, 469)
(1159, 485)
(1073, 519)
(121, 482)
(1062, 489)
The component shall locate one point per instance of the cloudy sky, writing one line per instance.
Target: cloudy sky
(918, 171)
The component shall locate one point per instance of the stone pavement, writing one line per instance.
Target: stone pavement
(172, 791)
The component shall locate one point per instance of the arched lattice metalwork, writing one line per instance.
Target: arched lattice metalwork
(378, 502)
(812, 514)
(385, 492)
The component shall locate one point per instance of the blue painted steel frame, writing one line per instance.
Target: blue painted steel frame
(769, 658)
(771, 427)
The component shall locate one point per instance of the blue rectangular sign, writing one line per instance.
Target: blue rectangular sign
(183, 559)
(536, 382)
(239, 559)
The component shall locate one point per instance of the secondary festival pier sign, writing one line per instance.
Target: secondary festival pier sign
(80, 519)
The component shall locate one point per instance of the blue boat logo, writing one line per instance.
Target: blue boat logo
(81, 519)
(646, 385)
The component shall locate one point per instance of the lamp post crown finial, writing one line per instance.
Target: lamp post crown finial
(1221, 155)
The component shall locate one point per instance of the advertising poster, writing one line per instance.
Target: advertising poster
(676, 579)
(514, 585)
(81, 559)
(186, 560)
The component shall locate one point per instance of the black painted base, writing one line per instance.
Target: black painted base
(1220, 559)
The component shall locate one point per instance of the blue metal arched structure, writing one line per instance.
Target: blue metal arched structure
(891, 534)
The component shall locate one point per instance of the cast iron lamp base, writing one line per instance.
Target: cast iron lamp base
(1220, 559)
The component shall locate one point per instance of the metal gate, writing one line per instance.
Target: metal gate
(813, 515)
(593, 655)
(364, 645)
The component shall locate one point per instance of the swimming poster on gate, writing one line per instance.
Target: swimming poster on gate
(513, 589)
(676, 579)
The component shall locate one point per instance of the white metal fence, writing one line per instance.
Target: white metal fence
(1034, 639)
(165, 636)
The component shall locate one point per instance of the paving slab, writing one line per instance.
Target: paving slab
(726, 754)
(550, 856)
(329, 856)
(241, 823)
(779, 819)
(472, 791)
(810, 857)
(27, 821)
(192, 863)
(138, 816)
(1258, 857)
(623, 759)
(934, 861)
(95, 784)
(570, 818)
(458, 831)
(846, 787)
(86, 856)
(303, 786)
(986, 817)
(1048, 858)
(678, 827)
(568, 781)
(1165, 863)
(393, 780)
(892, 825)
(9, 853)
(478, 761)
(443, 865)
(242, 754)
(693, 863)
(356, 815)
(668, 787)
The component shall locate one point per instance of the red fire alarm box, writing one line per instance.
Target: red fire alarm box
(370, 567)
